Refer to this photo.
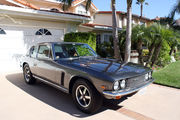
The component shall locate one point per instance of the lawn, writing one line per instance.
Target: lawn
(169, 76)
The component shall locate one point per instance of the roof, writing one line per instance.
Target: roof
(42, 14)
(99, 26)
(158, 18)
(93, 25)
(123, 13)
(32, 6)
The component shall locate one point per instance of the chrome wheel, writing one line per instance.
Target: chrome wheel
(83, 96)
(27, 74)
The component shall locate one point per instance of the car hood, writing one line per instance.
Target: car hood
(109, 67)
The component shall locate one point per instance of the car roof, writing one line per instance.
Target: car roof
(59, 43)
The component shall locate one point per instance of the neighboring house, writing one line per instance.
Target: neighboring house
(23, 25)
(102, 23)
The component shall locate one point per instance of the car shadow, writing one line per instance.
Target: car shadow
(54, 97)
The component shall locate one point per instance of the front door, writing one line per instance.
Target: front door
(45, 67)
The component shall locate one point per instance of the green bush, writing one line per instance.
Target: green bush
(105, 50)
(82, 37)
(164, 57)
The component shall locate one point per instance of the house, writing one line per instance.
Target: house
(24, 23)
(102, 23)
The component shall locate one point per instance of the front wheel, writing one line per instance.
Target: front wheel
(86, 97)
(29, 79)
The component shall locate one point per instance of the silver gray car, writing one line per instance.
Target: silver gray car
(76, 69)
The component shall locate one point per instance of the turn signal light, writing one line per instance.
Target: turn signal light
(118, 97)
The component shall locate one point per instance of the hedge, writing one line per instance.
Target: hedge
(82, 37)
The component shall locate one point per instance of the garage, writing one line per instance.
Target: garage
(20, 28)
(15, 41)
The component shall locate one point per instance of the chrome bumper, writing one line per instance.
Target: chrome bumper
(113, 94)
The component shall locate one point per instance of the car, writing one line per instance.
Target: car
(76, 69)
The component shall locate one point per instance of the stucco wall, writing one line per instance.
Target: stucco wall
(105, 19)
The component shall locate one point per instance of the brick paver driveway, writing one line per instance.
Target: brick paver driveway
(19, 101)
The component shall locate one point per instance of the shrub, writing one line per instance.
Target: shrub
(164, 57)
(82, 37)
(105, 50)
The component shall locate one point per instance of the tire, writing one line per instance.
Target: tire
(29, 79)
(84, 91)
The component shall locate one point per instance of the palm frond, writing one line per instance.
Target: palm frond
(88, 4)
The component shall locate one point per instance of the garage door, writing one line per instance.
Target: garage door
(14, 42)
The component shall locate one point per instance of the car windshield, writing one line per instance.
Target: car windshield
(73, 51)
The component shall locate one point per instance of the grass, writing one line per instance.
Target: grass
(169, 76)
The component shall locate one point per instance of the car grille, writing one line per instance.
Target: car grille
(136, 82)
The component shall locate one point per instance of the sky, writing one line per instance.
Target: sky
(155, 8)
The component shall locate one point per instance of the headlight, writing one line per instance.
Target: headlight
(116, 85)
(150, 75)
(146, 76)
(123, 84)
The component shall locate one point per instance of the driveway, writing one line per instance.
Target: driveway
(19, 101)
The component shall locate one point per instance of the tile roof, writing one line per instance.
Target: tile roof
(32, 6)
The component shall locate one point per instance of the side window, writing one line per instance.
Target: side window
(33, 51)
(44, 52)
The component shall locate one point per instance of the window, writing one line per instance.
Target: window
(82, 10)
(107, 37)
(44, 52)
(33, 51)
(142, 23)
(43, 32)
(2, 31)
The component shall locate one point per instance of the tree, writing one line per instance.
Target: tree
(67, 4)
(141, 3)
(128, 31)
(138, 38)
(165, 35)
(115, 30)
(176, 9)
(152, 35)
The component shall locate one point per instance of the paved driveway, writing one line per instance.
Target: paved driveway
(19, 101)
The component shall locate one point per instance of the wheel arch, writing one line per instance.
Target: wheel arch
(24, 64)
(75, 78)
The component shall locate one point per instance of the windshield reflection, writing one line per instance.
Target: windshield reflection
(73, 51)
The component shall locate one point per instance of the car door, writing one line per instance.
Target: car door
(32, 61)
(45, 67)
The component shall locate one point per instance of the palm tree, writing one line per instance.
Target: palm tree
(128, 31)
(67, 4)
(165, 36)
(152, 35)
(115, 30)
(175, 10)
(141, 2)
(138, 38)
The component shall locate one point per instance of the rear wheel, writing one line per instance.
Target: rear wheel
(29, 79)
(86, 97)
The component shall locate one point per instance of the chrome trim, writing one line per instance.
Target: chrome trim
(52, 84)
(112, 94)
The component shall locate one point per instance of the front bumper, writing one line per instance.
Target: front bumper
(114, 94)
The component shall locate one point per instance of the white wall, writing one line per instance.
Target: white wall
(105, 19)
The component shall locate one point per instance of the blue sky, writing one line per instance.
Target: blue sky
(155, 8)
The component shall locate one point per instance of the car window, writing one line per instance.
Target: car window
(44, 52)
(33, 51)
